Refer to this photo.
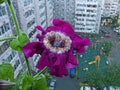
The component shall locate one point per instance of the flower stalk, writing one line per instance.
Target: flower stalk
(8, 38)
(19, 32)
(14, 16)
(28, 65)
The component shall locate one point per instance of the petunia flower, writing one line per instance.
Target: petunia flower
(56, 46)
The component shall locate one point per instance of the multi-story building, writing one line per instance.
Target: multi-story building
(118, 8)
(40, 13)
(29, 13)
(49, 11)
(113, 8)
(110, 8)
(106, 7)
(87, 16)
(65, 10)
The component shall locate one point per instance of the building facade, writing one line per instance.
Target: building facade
(65, 10)
(87, 16)
(110, 8)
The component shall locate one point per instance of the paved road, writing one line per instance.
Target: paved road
(67, 83)
(115, 39)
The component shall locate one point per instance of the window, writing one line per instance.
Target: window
(32, 33)
(27, 2)
(88, 28)
(29, 13)
(42, 22)
(16, 65)
(4, 28)
(80, 10)
(31, 23)
(2, 10)
(11, 56)
(4, 47)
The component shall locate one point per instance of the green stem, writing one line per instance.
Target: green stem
(14, 16)
(28, 65)
(9, 38)
(42, 71)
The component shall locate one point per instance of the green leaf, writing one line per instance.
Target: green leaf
(17, 44)
(27, 82)
(40, 83)
(6, 72)
(24, 82)
(1, 1)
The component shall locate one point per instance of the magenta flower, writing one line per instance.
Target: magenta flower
(56, 46)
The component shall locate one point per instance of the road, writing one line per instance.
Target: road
(67, 83)
(115, 39)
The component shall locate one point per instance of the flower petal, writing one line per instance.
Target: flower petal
(59, 69)
(41, 29)
(64, 26)
(79, 44)
(72, 61)
(33, 47)
(44, 61)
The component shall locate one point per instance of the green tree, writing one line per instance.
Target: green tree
(107, 47)
(109, 77)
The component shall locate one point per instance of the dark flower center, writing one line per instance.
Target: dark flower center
(57, 43)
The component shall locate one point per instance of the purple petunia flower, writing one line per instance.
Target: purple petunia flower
(56, 46)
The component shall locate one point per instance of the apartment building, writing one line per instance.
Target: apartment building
(87, 16)
(118, 8)
(110, 8)
(65, 10)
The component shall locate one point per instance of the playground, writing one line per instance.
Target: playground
(93, 58)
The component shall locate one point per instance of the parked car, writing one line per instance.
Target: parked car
(72, 72)
(117, 31)
(52, 84)
(107, 35)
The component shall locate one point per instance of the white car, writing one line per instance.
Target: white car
(52, 84)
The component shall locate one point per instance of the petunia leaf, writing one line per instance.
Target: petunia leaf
(27, 82)
(1, 1)
(24, 82)
(40, 82)
(6, 72)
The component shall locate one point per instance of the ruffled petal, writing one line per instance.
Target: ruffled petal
(33, 47)
(44, 61)
(64, 26)
(41, 29)
(40, 37)
(79, 44)
(72, 61)
(59, 68)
